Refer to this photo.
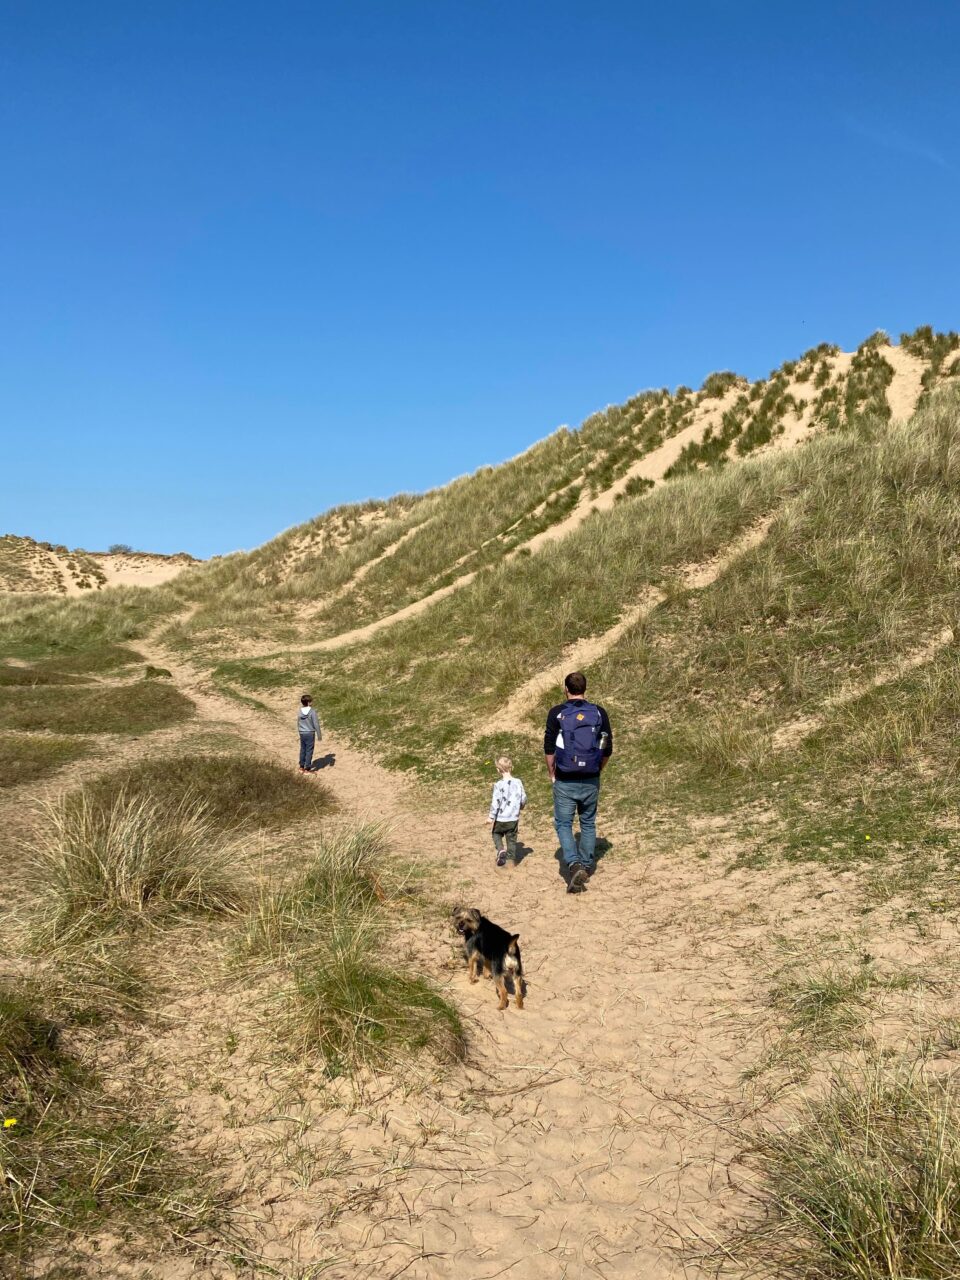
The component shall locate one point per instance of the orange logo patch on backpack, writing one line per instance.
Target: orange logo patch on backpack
(580, 716)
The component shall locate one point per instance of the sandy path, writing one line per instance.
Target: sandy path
(592, 1131)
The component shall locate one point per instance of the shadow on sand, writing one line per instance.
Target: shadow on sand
(601, 849)
(323, 762)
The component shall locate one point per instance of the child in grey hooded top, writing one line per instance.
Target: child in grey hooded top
(308, 727)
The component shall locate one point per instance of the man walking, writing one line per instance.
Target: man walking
(577, 744)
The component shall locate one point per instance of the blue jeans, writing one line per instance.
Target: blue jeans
(307, 741)
(570, 798)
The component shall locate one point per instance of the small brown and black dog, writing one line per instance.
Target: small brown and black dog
(486, 944)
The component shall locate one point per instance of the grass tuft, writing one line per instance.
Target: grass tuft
(98, 868)
(342, 881)
(348, 1006)
(864, 1185)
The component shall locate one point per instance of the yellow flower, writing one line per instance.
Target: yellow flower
(866, 837)
(8, 1124)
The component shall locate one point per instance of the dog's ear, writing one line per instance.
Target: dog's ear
(514, 939)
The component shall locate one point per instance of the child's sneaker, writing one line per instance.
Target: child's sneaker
(501, 859)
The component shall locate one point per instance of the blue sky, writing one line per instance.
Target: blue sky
(257, 258)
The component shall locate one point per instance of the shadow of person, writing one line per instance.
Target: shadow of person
(323, 762)
(523, 851)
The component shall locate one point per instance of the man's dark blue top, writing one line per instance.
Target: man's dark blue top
(553, 728)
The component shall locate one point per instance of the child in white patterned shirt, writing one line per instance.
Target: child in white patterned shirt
(508, 799)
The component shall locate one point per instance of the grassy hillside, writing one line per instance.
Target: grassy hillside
(358, 564)
(816, 679)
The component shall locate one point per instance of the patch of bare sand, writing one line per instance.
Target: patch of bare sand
(140, 569)
(905, 389)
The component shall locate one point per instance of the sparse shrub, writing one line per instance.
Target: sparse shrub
(346, 1006)
(95, 868)
(862, 1184)
(637, 485)
(120, 548)
(823, 376)
(717, 384)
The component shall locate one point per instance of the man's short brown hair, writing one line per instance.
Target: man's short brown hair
(576, 683)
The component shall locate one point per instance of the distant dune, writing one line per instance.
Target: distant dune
(40, 568)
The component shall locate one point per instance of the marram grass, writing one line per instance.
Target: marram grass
(98, 868)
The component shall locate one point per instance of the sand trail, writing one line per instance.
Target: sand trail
(589, 1134)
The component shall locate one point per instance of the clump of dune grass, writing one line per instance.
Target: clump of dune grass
(236, 791)
(97, 868)
(71, 1158)
(343, 879)
(348, 1005)
(864, 1184)
(327, 932)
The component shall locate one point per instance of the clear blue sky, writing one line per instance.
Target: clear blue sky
(261, 256)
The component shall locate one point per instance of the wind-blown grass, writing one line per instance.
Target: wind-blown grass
(95, 869)
(863, 1184)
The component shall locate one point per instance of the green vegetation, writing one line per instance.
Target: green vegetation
(717, 384)
(932, 347)
(97, 869)
(349, 1007)
(81, 632)
(27, 758)
(236, 792)
(870, 375)
(343, 879)
(324, 928)
(862, 1185)
(825, 1001)
(137, 708)
(71, 1160)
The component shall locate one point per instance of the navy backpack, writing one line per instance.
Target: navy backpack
(578, 743)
